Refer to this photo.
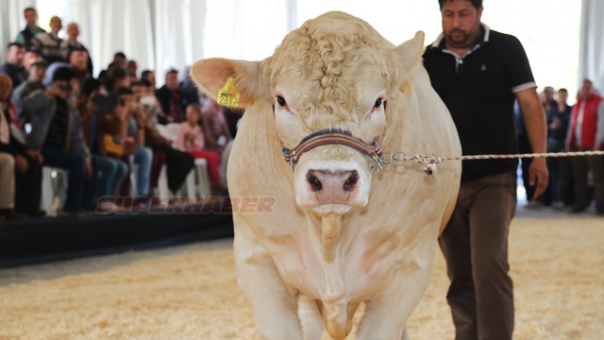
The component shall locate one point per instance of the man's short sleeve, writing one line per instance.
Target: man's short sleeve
(517, 68)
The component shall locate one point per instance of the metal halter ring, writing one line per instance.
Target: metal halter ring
(395, 158)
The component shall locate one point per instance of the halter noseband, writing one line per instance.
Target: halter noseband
(332, 137)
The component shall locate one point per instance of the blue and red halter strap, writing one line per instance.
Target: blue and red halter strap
(332, 137)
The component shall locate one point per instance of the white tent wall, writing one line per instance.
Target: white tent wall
(160, 34)
(591, 62)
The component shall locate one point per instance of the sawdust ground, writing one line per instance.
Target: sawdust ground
(557, 266)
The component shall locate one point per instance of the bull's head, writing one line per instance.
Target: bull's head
(329, 83)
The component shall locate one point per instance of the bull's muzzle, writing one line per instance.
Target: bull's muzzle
(332, 187)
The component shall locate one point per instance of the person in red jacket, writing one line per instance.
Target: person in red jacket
(586, 134)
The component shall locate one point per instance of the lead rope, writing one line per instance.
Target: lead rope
(400, 158)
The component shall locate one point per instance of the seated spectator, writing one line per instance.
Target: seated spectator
(127, 129)
(31, 55)
(132, 77)
(172, 100)
(178, 163)
(14, 64)
(78, 59)
(110, 172)
(73, 31)
(56, 132)
(132, 67)
(50, 45)
(189, 88)
(20, 169)
(33, 83)
(120, 59)
(215, 128)
(191, 140)
(585, 135)
(31, 30)
(149, 100)
(117, 78)
(149, 76)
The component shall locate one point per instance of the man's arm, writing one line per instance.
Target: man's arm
(536, 129)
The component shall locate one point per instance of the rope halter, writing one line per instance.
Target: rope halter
(332, 137)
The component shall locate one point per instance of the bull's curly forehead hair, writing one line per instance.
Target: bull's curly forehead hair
(476, 3)
(326, 57)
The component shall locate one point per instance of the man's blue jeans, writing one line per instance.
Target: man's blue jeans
(143, 157)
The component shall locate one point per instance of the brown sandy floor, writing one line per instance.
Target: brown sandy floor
(557, 267)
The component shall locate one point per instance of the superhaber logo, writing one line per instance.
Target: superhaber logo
(181, 205)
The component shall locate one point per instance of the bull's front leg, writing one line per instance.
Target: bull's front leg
(275, 308)
(386, 316)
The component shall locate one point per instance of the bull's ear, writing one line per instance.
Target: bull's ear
(408, 55)
(250, 79)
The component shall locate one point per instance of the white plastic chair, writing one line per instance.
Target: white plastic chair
(54, 189)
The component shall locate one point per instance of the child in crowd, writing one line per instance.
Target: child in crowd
(191, 140)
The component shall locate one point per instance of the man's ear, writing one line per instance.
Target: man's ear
(250, 79)
(407, 57)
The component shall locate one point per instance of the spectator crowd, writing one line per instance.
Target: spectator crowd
(54, 113)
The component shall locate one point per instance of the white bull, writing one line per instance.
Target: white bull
(339, 234)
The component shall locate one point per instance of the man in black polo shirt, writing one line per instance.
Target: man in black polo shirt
(479, 73)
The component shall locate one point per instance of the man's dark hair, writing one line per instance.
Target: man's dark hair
(587, 80)
(476, 3)
(13, 44)
(123, 91)
(145, 82)
(63, 74)
(29, 9)
(90, 85)
(76, 49)
(119, 54)
(138, 83)
(118, 73)
(563, 90)
(145, 74)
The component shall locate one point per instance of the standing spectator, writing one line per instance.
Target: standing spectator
(149, 76)
(73, 31)
(191, 140)
(24, 191)
(120, 59)
(31, 30)
(78, 59)
(215, 128)
(14, 64)
(560, 169)
(547, 98)
(56, 131)
(478, 73)
(172, 100)
(34, 82)
(31, 55)
(178, 163)
(586, 134)
(50, 45)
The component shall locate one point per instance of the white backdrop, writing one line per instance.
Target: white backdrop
(160, 34)
(591, 62)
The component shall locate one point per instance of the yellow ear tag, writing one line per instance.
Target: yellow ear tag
(228, 94)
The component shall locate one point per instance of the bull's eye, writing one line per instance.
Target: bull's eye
(378, 103)
(281, 101)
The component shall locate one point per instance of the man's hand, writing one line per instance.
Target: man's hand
(88, 170)
(36, 156)
(538, 175)
(21, 164)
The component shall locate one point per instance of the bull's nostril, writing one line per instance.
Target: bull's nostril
(351, 181)
(315, 183)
